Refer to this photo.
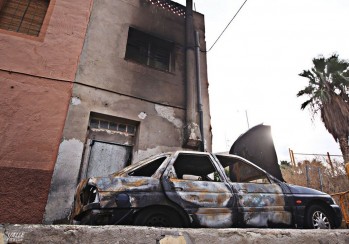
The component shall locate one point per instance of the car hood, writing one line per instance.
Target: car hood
(257, 146)
(304, 190)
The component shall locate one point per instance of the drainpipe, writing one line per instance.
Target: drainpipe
(192, 135)
(199, 96)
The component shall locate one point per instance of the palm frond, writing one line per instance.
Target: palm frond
(334, 65)
(307, 74)
(306, 103)
(328, 91)
(306, 91)
(319, 63)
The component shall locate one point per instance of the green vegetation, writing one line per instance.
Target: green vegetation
(328, 92)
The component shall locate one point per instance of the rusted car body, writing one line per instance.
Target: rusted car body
(197, 189)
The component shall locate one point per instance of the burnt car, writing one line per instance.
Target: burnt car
(199, 189)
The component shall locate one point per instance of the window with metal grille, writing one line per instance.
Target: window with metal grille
(149, 50)
(24, 16)
(96, 123)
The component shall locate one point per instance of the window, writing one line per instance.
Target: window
(96, 123)
(24, 16)
(149, 169)
(195, 167)
(148, 50)
(239, 171)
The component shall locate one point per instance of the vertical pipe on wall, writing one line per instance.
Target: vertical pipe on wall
(199, 97)
(189, 56)
(192, 132)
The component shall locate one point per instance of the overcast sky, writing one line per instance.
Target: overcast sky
(254, 67)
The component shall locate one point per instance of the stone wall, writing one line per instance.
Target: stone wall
(135, 234)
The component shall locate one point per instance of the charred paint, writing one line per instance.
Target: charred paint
(78, 205)
(262, 205)
(267, 219)
(216, 218)
(204, 203)
(208, 203)
(200, 186)
(121, 184)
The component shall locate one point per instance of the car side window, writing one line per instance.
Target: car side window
(195, 167)
(149, 169)
(239, 171)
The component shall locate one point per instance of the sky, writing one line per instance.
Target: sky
(253, 68)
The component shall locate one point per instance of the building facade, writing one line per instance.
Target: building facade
(127, 88)
(40, 45)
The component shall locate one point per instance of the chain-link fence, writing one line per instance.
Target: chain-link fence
(323, 172)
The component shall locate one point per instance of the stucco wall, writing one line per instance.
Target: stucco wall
(32, 115)
(108, 84)
(103, 65)
(35, 84)
(55, 53)
(160, 130)
(102, 62)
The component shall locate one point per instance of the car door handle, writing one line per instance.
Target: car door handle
(177, 188)
(243, 191)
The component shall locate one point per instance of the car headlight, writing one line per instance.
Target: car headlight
(89, 195)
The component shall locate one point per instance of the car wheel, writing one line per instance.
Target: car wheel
(158, 217)
(319, 218)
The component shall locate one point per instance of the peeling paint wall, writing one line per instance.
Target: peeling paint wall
(169, 114)
(66, 169)
(108, 84)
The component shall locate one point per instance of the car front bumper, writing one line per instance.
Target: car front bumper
(104, 216)
(337, 215)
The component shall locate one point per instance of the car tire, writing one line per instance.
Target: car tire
(318, 217)
(158, 217)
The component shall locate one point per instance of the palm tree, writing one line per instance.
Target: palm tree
(328, 92)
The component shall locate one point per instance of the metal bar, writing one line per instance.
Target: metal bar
(292, 158)
(307, 174)
(320, 179)
(25, 11)
(330, 162)
(315, 154)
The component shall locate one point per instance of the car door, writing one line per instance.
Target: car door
(260, 200)
(193, 182)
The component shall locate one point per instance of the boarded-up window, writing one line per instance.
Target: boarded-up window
(149, 50)
(24, 16)
(107, 158)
